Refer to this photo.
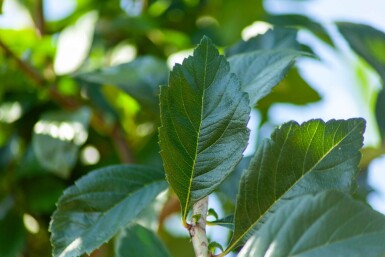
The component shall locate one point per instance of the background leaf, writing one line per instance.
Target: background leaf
(138, 241)
(298, 159)
(90, 212)
(57, 137)
(140, 78)
(12, 234)
(203, 117)
(327, 224)
(260, 71)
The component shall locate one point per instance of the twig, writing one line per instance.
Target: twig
(197, 229)
(39, 18)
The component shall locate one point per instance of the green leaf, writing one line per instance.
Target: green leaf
(369, 43)
(327, 224)
(297, 160)
(203, 124)
(138, 241)
(260, 71)
(57, 137)
(277, 38)
(90, 212)
(12, 234)
(140, 78)
(227, 222)
(295, 20)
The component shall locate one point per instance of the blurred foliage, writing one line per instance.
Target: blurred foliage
(80, 92)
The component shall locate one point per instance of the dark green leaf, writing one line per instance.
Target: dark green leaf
(90, 212)
(327, 224)
(298, 159)
(260, 71)
(369, 43)
(366, 41)
(12, 234)
(140, 78)
(138, 241)
(204, 116)
(277, 38)
(227, 222)
(57, 138)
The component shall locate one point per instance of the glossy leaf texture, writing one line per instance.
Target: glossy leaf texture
(203, 129)
(140, 78)
(90, 212)
(369, 43)
(297, 160)
(260, 71)
(327, 224)
(138, 241)
(57, 137)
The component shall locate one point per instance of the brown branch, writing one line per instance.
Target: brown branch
(39, 17)
(26, 68)
(121, 145)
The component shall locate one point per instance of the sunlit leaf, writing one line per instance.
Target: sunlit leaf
(260, 71)
(90, 212)
(74, 44)
(140, 78)
(203, 117)
(327, 224)
(138, 241)
(298, 159)
(57, 137)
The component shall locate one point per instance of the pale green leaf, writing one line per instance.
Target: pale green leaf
(203, 129)
(327, 224)
(138, 241)
(57, 137)
(260, 71)
(298, 159)
(90, 212)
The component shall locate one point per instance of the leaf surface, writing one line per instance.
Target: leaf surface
(57, 137)
(90, 212)
(203, 124)
(138, 241)
(297, 160)
(327, 224)
(260, 71)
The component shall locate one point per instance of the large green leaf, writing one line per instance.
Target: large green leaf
(327, 224)
(140, 78)
(12, 232)
(138, 241)
(57, 137)
(298, 159)
(203, 116)
(90, 212)
(260, 71)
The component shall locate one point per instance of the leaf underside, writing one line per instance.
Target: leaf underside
(327, 224)
(203, 124)
(90, 212)
(297, 160)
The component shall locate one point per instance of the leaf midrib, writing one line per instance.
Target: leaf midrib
(197, 141)
(303, 174)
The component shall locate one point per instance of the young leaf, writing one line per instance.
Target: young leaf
(298, 159)
(203, 124)
(138, 241)
(327, 224)
(260, 71)
(90, 212)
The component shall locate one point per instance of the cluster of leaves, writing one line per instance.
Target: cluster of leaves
(53, 118)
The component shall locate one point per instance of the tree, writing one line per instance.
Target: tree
(295, 196)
